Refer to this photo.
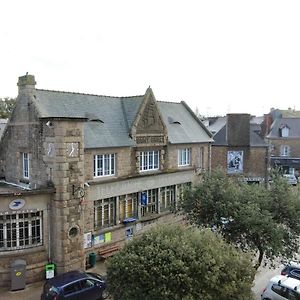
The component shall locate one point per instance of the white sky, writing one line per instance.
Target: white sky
(220, 56)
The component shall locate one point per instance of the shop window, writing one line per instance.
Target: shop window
(105, 212)
(19, 231)
(127, 206)
(149, 200)
(167, 198)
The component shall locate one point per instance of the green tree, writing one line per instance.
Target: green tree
(253, 217)
(172, 262)
(6, 107)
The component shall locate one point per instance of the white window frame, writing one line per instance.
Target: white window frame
(184, 157)
(104, 165)
(285, 150)
(149, 160)
(285, 131)
(25, 164)
(20, 231)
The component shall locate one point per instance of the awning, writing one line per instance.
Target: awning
(290, 162)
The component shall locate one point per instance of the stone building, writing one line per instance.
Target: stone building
(81, 174)
(283, 137)
(239, 148)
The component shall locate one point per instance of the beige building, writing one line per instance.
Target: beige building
(81, 174)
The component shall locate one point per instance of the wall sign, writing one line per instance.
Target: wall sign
(17, 204)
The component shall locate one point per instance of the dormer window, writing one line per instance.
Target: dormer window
(284, 131)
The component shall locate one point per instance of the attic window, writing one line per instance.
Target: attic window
(284, 130)
(171, 121)
(96, 120)
(93, 118)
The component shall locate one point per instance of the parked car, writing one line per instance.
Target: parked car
(291, 179)
(75, 285)
(292, 270)
(282, 287)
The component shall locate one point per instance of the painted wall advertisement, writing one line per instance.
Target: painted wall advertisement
(235, 162)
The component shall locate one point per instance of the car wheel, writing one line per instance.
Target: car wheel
(105, 294)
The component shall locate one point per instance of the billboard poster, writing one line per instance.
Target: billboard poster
(235, 162)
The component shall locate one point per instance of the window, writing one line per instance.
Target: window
(104, 165)
(20, 231)
(149, 160)
(25, 158)
(149, 202)
(184, 157)
(284, 150)
(128, 206)
(167, 198)
(105, 212)
(280, 290)
(284, 131)
(201, 157)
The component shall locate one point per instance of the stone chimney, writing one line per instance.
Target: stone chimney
(266, 124)
(238, 129)
(26, 83)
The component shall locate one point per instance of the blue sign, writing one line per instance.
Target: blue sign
(144, 199)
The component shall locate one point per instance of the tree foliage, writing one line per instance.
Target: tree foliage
(6, 107)
(180, 263)
(254, 217)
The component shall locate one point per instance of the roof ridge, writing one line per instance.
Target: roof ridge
(78, 93)
(168, 102)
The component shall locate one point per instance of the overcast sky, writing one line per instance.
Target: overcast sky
(219, 56)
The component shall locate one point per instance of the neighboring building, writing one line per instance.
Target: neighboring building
(284, 141)
(82, 173)
(239, 148)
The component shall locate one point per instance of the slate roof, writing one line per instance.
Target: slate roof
(255, 139)
(108, 119)
(182, 125)
(292, 123)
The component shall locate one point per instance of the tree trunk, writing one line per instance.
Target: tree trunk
(260, 258)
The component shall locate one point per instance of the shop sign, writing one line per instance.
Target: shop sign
(16, 204)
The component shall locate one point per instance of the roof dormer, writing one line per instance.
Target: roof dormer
(284, 130)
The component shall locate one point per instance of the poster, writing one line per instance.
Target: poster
(87, 240)
(235, 162)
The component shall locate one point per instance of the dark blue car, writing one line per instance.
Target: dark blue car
(75, 285)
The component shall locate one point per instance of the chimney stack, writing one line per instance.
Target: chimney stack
(238, 129)
(26, 82)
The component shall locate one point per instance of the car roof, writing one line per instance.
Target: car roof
(65, 278)
(287, 281)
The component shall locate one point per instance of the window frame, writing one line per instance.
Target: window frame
(184, 157)
(104, 165)
(25, 165)
(101, 207)
(285, 150)
(21, 231)
(149, 160)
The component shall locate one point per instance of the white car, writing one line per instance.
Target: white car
(291, 179)
(282, 287)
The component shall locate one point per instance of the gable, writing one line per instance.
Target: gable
(148, 127)
(149, 119)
